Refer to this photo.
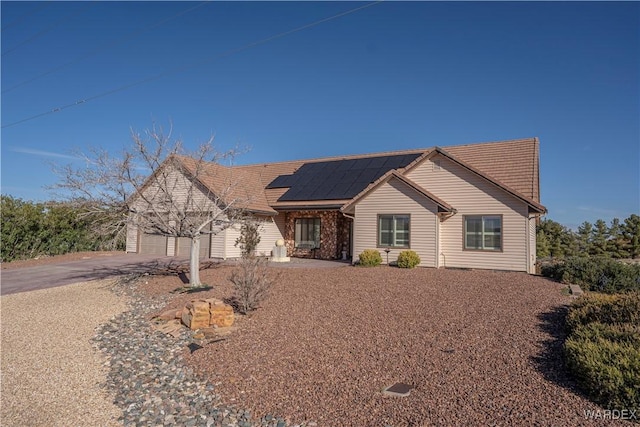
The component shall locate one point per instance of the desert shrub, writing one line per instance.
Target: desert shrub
(251, 283)
(370, 258)
(596, 274)
(249, 238)
(408, 259)
(603, 308)
(605, 359)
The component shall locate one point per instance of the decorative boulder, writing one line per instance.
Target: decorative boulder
(220, 314)
(201, 314)
(195, 315)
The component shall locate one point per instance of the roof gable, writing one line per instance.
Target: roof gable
(515, 163)
(532, 203)
(228, 184)
(442, 205)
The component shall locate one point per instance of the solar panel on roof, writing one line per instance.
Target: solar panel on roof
(282, 181)
(337, 179)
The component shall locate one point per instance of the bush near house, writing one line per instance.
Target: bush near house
(603, 348)
(595, 274)
(370, 258)
(408, 259)
(31, 229)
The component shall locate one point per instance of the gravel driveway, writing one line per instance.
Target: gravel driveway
(479, 348)
(50, 370)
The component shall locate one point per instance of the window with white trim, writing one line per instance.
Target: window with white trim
(307, 233)
(483, 232)
(393, 231)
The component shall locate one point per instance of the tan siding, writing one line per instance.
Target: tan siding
(472, 195)
(132, 239)
(171, 246)
(178, 185)
(232, 234)
(272, 229)
(171, 242)
(218, 245)
(395, 197)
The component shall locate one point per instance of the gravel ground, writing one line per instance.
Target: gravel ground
(51, 372)
(479, 348)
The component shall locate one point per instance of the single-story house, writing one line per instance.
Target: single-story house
(465, 206)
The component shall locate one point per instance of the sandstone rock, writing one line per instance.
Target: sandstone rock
(201, 314)
(195, 315)
(170, 315)
(172, 327)
(221, 314)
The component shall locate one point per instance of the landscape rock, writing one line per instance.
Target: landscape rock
(221, 314)
(169, 315)
(201, 314)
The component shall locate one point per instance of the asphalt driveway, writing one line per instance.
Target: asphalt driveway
(64, 273)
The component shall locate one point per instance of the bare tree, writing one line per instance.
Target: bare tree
(156, 187)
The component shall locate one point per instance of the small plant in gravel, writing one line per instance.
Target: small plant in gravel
(408, 259)
(370, 258)
(251, 283)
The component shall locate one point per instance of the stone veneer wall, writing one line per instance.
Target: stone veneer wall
(334, 234)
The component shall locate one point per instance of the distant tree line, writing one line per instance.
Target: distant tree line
(618, 240)
(31, 229)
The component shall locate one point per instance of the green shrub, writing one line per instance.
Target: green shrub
(606, 361)
(370, 258)
(596, 274)
(249, 238)
(408, 259)
(603, 308)
(603, 347)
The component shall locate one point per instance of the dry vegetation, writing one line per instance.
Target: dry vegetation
(480, 348)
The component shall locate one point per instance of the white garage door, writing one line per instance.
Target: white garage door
(153, 244)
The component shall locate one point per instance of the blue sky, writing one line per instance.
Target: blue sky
(395, 75)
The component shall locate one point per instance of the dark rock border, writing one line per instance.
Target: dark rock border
(147, 377)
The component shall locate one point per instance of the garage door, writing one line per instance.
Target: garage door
(184, 246)
(153, 244)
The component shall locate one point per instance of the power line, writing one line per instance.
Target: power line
(105, 46)
(46, 30)
(194, 65)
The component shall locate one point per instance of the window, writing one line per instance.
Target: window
(307, 233)
(393, 231)
(483, 232)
